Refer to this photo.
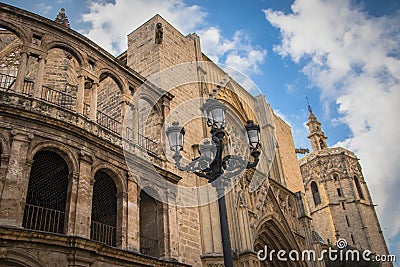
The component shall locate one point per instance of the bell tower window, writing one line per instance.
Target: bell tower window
(358, 186)
(315, 193)
(321, 144)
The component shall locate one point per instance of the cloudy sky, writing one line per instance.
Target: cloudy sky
(343, 54)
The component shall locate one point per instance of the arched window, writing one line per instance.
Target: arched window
(60, 78)
(109, 103)
(47, 193)
(151, 225)
(321, 144)
(150, 121)
(10, 57)
(358, 186)
(315, 193)
(335, 177)
(104, 209)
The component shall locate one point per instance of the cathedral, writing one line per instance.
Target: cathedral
(87, 176)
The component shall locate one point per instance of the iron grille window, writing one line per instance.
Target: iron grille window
(151, 225)
(47, 193)
(104, 209)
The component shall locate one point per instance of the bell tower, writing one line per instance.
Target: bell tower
(316, 136)
(338, 196)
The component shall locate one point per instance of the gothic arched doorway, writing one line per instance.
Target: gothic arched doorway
(271, 239)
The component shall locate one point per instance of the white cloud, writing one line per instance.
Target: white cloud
(240, 58)
(111, 22)
(354, 59)
(213, 42)
(43, 9)
(237, 53)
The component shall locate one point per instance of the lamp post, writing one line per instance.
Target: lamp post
(212, 165)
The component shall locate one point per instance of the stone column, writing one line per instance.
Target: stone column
(39, 78)
(132, 217)
(125, 100)
(172, 225)
(163, 238)
(71, 206)
(122, 202)
(19, 82)
(243, 222)
(4, 158)
(135, 120)
(93, 102)
(16, 180)
(80, 95)
(84, 192)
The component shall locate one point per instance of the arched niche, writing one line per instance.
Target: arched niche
(150, 121)
(109, 102)
(60, 78)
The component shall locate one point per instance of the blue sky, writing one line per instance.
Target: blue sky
(344, 55)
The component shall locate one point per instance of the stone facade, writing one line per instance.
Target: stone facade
(291, 172)
(73, 115)
(338, 197)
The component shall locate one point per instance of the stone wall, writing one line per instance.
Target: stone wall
(109, 98)
(61, 72)
(291, 169)
(150, 58)
(24, 248)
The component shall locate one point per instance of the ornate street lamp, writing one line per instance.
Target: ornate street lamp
(212, 165)
(175, 135)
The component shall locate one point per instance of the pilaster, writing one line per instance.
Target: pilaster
(19, 82)
(39, 77)
(93, 102)
(16, 180)
(84, 192)
(80, 94)
(132, 216)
